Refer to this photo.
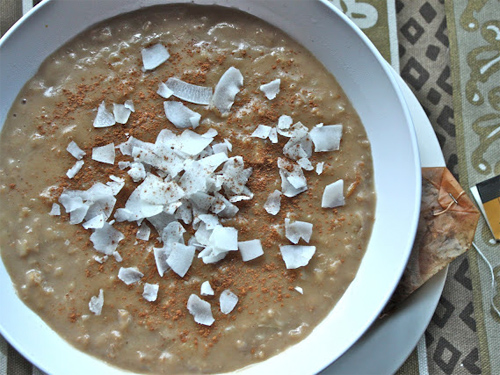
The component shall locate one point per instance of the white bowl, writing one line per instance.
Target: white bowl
(360, 70)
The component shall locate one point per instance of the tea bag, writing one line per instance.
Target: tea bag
(448, 220)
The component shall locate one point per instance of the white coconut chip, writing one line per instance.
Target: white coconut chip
(326, 138)
(297, 230)
(129, 104)
(75, 169)
(273, 203)
(201, 310)
(333, 195)
(106, 239)
(228, 301)
(76, 151)
(150, 292)
(55, 210)
(284, 123)
(319, 167)
(173, 232)
(299, 289)
(210, 221)
(305, 164)
(206, 289)
(192, 143)
(293, 181)
(104, 118)
(181, 116)
(161, 255)
(271, 89)
(262, 132)
(154, 56)
(96, 303)
(181, 258)
(144, 232)
(296, 256)
(250, 249)
(121, 113)
(210, 133)
(226, 89)
(104, 154)
(210, 256)
(137, 172)
(224, 239)
(130, 275)
(273, 135)
(164, 91)
(117, 256)
(189, 92)
(95, 223)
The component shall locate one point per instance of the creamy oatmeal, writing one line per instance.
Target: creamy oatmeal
(254, 279)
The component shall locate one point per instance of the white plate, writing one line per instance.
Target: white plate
(371, 87)
(398, 334)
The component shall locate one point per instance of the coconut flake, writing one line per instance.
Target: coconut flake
(326, 137)
(180, 258)
(333, 195)
(271, 89)
(117, 256)
(206, 289)
(154, 56)
(143, 232)
(104, 154)
(297, 230)
(164, 91)
(94, 223)
(262, 132)
(273, 135)
(284, 123)
(55, 210)
(192, 143)
(296, 256)
(96, 303)
(228, 301)
(137, 172)
(305, 164)
(299, 289)
(319, 167)
(293, 181)
(250, 249)
(129, 104)
(76, 151)
(273, 203)
(201, 310)
(106, 239)
(121, 113)
(224, 239)
(181, 116)
(129, 275)
(104, 118)
(150, 292)
(74, 169)
(161, 256)
(189, 92)
(226, 89)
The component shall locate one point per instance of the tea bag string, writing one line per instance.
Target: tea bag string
(493, 282)
(453, 201)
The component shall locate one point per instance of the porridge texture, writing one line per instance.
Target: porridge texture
(87, 292)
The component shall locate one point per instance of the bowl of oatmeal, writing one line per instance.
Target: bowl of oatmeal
(198, 188)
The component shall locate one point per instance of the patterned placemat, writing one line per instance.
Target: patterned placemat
(474, 28)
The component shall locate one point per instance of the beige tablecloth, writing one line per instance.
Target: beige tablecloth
(448, 52)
